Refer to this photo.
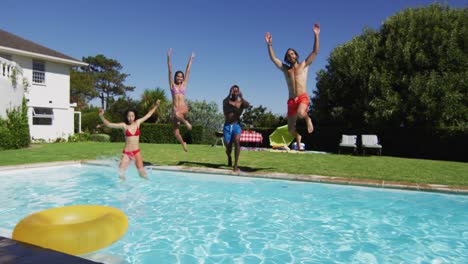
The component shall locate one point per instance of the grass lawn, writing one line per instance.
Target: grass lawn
(369, 167)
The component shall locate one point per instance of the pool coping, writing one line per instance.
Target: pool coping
(453, 189)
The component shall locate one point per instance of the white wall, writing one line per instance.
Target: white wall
(10, 96)
(62, 126)
(55, 94)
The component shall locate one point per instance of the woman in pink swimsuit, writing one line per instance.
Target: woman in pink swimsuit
(178, 86)
(131, 129)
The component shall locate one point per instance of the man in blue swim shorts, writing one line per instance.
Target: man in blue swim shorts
(233, 105)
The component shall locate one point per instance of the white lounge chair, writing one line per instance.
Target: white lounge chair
(348, 141)
(370, 142)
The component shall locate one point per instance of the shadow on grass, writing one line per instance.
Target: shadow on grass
(219, 166)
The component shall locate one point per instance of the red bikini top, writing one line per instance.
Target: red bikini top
(129, 134)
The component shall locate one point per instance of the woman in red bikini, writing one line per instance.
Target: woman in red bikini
(178, 86)
(131, 129)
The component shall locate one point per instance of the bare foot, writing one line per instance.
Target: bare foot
(184, 146)
(236, 170)
(310, 126)
(229, 161)
(144, 177)
(122, 177)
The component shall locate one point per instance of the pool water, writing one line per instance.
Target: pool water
(200, 218)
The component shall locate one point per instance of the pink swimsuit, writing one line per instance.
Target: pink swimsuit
(174, 91)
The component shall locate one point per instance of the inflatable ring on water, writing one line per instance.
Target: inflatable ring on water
(75, 230)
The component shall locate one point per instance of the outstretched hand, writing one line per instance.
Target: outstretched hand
(192, 56)
(101, 112)
(157, 103)
(317, 28)
(268, 38)
(169, 52)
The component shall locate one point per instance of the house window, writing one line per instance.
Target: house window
(38, 72)
(42, 116)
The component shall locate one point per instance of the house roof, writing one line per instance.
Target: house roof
(18, 45)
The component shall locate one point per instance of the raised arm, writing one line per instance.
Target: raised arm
(244, 103)
(169, 68)
(187, 70)
(314, 53)
(149, 114)
(109, 124)
(276, 61)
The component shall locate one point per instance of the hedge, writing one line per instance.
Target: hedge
(161, 133)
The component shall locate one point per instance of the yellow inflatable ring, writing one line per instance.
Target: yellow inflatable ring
(75, 230)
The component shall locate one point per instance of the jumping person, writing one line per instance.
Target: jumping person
(178, 87)
(295, 73)
(131, 129)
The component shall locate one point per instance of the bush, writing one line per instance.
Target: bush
(89, 121)
(14, 131)
(79, 137)
(99, 137)
(161, 133)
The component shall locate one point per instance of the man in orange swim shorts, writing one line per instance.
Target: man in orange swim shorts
(296, 77)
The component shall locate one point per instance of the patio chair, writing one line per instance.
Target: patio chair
(348, 141)
(371, 142)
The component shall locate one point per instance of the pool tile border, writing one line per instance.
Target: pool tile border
(283, 176)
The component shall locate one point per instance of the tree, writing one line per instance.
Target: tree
(202, 113)
(81, 88)
(108, 80)
(413, 71)
(149, 98)
(260, 117)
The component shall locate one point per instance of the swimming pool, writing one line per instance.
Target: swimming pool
(200, 218)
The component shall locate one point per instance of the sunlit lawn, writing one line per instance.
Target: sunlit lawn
(368, 167)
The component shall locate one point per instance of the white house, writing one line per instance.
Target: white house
(43, 77)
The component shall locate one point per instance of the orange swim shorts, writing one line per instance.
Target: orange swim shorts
(293, 103)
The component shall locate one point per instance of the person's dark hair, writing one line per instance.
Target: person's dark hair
(286, 59)
(177, 72)
(126, 113)
(230, 90)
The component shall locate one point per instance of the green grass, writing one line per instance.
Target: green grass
(369, 167)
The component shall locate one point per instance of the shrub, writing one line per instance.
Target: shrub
(79, 137)
(14, 130)
(99, 137)
(161, 133)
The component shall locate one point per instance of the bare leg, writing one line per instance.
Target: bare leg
(180, 117)
(124, 161)
(228, 153)
(302, 113)
(292, 129)
(236, 152)
(139, 165)
(179, 137)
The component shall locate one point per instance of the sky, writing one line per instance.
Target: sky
(227, 38)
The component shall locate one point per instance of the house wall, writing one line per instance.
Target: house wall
(55, 94)
(62, 126)
(10, 96)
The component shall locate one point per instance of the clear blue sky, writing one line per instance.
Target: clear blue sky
(226, 36)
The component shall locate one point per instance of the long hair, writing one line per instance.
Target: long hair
(177, 72)
(126, 114)
(286, 59)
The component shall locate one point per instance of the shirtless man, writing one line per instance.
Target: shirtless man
(233, 105)
(296, 76)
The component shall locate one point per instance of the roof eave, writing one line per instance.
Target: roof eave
(42, 56)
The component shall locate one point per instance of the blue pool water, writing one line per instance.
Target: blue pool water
(198, 218)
